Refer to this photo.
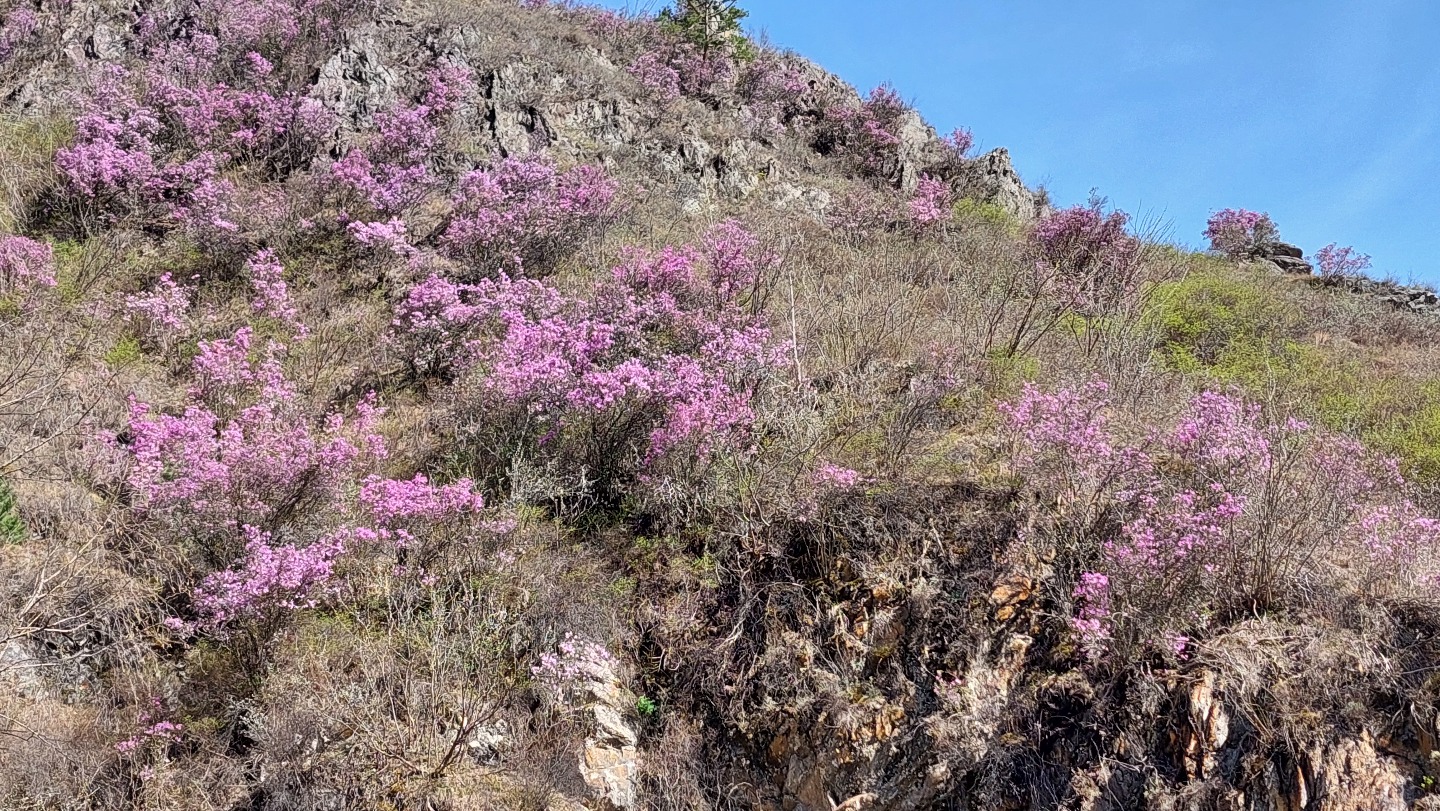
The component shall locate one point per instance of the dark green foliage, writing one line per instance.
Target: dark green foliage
(710, 25)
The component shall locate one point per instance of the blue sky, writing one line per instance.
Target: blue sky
(1325, 113)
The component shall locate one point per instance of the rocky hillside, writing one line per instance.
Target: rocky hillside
(453, 404)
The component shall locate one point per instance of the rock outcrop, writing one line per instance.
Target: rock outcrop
(992, 178)
(1285, 257)
(574, 102)
(609, 761)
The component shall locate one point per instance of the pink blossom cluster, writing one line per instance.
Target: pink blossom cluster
(1337, 263)
(211, 90)
(391, 234)
(160, 732)
(231, 30)
(269, 490)
(1083, 236)
(1066, 434)
(25, 264)
(1240, 234)
(1189, 515)
(659, 339)
(244, 452)
(392, 171)
(1090, 253)
(575, 660)
(930, 205)
(272, 295)
(522, 212)
(154, 139)
(392, 501)
(671, 67)
(655, 73)
(870, 132)
(959, 142)
(268, 579)
(835, 477)
(160, 312)
(19, 26)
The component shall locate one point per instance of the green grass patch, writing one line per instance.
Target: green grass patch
(125, 352)
(12, 526)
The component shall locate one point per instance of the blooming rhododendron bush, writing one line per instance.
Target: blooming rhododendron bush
(658, 359)
(1219, 512)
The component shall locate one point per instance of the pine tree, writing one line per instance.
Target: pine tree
(710, 25)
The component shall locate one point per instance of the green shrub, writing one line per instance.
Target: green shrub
(972, 210)
(1210, 315)
(12, 526)
(125, 352)
(1413, 436)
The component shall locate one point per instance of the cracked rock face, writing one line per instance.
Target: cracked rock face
(574, 102)
(992, 177)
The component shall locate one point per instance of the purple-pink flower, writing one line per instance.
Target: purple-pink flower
(1240, 234)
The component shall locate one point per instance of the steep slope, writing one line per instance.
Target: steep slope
(464, 405)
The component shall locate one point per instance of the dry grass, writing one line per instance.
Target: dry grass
(769, 619)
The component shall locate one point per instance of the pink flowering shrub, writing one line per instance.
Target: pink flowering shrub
(161, 733)
(1337, 264)
(210, 91)
(522, 213)
(654, 72)
(390, 235)
(269, 496)
(153, 731)
(1240, 234)
(770, 87)
(1220, 510)
(19, 27)
(661, 356)
(834, 477)
(245, 456)
(930, 205)
(392, 171)
(959, 143)
(868, 134)
(681, 57)
(421, 520)
(1090, 257)
(266, 583)
(159, 315)
(272, 295)
(223, 37)
(576, 660)
(25, 265)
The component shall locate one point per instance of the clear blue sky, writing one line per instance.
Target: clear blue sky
(1325, 113)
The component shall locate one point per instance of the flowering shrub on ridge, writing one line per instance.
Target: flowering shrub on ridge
(1240, 234)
